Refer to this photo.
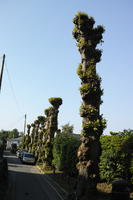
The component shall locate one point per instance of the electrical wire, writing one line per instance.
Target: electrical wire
(17, 121)
(12, 89)
(13, 94)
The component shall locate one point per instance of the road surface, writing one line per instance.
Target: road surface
(27, 183)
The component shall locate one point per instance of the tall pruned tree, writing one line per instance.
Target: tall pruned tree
(27, 137)
(88, 37)
(41, 132)
(51, 127)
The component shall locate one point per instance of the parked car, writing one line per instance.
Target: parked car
(28, 158)
(21, 153)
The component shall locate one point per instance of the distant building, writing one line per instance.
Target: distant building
(13, 140)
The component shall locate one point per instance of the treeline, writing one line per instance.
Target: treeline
(10, 134)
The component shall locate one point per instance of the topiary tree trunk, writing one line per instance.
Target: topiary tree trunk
(40, 137)
(32, 148)
(28, 138)
(88, 37)
(41, 120)
(51, 127)
(36, 137)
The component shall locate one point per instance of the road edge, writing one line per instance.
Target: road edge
(60, 191)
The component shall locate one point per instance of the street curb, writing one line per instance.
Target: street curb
(58, 187)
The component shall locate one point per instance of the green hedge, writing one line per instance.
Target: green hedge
(65, 153)
(116, 160)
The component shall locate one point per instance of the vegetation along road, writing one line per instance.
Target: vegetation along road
(27, 183)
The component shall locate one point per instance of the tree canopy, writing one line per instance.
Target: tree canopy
(67, 129)
(9, 134)
(125, 132)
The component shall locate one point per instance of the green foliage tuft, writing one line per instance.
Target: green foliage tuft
(85, 88)
(41, 119)
(90, 88)
(55, 101)
(96, 126)
(82, 18)
(86, 110)
(48, 111)
(82, 43)
(89, 74)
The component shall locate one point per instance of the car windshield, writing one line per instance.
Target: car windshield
(29, 155)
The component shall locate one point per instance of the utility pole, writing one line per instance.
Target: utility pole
(25, 123)
(1, 75)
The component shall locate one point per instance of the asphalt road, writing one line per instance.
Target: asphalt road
(27, 183)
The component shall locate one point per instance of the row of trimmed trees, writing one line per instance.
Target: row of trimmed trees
(40, 139)
(40, 134)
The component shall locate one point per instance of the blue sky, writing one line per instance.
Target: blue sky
(42, 58)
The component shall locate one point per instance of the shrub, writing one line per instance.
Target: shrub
(65, 153)
(115, 161)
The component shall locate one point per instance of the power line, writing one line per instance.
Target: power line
(12, 89)
(17, 121)
(2, 69)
